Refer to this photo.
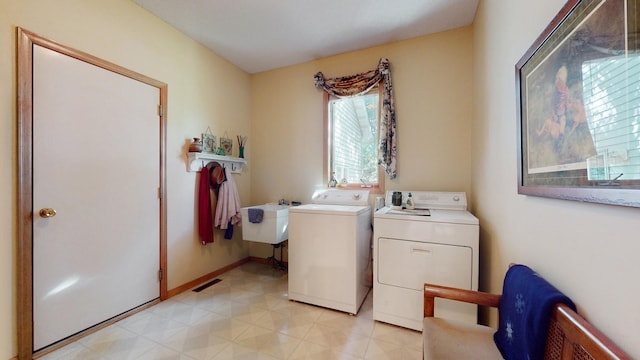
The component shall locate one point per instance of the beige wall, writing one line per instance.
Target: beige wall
(456, 131)
(589, 251)
(204, 90)
(432, 79)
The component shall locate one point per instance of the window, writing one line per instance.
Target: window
(351, 130)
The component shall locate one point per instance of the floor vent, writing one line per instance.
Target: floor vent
(202, 287)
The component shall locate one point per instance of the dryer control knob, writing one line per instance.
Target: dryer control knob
(356, 196)
(456, 198)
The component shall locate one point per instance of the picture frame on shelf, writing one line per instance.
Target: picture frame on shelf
(226, 145)
(208, 143)
(578, 102)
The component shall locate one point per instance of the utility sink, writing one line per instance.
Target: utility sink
(274, 227)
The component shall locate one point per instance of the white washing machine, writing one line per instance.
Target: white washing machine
(329, 250)
(435, 243)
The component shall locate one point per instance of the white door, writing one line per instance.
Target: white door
(96, 159)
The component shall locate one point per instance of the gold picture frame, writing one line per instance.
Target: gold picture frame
(578, 104)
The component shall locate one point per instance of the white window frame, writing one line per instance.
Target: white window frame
(374, 187)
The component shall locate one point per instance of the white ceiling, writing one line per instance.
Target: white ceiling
(260, 35)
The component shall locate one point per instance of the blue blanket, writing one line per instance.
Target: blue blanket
(524, 311)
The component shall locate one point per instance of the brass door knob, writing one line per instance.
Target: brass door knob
(47, 213)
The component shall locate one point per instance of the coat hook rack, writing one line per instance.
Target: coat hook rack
(235, 164)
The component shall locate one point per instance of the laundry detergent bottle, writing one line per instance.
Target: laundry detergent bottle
(410, 204)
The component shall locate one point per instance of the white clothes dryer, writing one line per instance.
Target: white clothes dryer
(329, 250)
(435, 243)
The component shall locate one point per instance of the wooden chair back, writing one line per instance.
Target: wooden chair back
(571, 337)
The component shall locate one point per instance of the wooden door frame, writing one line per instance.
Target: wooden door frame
(25, 213)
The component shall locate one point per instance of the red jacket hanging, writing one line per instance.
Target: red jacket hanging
(205, 216)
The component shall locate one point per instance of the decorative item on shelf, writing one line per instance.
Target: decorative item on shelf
(196, 145)
(333, 182)
(226, 144)
(242, 140)
(208, 141)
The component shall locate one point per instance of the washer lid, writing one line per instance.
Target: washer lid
(329, 209)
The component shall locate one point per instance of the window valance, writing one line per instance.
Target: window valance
(358, 84)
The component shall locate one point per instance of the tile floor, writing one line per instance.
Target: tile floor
(245, 316)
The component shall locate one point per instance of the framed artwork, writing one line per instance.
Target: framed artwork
(226, 145)
(578, 103)
(208, 143)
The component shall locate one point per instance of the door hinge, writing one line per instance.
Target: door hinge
(160, 193)
(160, 275)
(160, 111)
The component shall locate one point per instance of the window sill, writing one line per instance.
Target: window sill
(374, 189)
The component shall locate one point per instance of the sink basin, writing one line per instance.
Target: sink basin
(280, 210)
(274, 226)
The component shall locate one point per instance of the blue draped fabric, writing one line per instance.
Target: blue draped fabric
(524, 311)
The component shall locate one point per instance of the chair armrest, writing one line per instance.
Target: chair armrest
(432, 291)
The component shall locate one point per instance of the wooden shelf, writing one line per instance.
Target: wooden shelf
(195, 161)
